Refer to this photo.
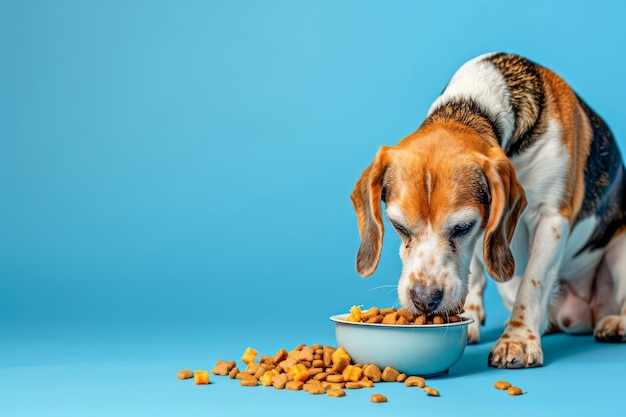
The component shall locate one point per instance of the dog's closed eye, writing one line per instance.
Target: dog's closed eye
(401, 229)
(460, 230)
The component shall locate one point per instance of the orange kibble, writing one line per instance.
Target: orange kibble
(266, 379)
(502, 385)
(299, 372)
(201, 377)
(355, 314)
(249, 355)
(352, 373)
(340, 353)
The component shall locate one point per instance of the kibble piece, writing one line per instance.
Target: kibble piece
(294, 385)
(259, 372)
(314, 387)
(266, 378)
(221, 368)
(288, 363)
(354, 385)
(390, 374)
(369, 313)
(355, 314)
(233, 373)
(402, 321)
(249, 382)
(390, 318)
(420, 320)
(306, 354)
(321, 376)
(376, 319)
(336, 392)
(415, 381)
(340, 353)
(352, 373)
(299, 347)
(279, 381)
(454, 319)
(317, 363)
(372, 372)
(502, 385)
(201, 377)
(333, 385)
(438, 320)
(244, 375)
(299, 372)
(335, 378)
(514, 391)
(249, 355)
(280, 356)
(401, 378)
(385, 311)
(253, 367)
(366, 383)
(408, 316)
(378, 398)
(431, 391)
(185, 374)
(340, 364)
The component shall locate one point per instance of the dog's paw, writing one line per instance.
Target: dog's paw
(510, 352)
(611, 329)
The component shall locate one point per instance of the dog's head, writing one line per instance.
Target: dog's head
(444, 188)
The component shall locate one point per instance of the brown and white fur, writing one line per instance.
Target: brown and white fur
(513, 174)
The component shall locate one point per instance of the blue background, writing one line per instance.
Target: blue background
(175, 180)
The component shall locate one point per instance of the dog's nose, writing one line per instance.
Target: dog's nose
(426, 299)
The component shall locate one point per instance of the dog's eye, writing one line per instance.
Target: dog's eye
(461, 230)
(401, 229)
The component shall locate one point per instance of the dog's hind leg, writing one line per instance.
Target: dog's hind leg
(609, 305)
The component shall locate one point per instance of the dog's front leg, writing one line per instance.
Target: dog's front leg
(520, 344)
(474, 307)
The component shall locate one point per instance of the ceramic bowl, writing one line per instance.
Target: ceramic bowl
(427, 350)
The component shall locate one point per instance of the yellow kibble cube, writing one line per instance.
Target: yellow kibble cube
(201, 377)
(249, 355)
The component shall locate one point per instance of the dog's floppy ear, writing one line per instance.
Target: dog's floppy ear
(508, 200)
(366, 199)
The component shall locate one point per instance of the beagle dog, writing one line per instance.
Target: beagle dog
(512, 175)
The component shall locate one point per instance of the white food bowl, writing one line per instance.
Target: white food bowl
(424, 350)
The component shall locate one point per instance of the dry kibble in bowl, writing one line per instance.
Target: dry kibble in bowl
(399, 317)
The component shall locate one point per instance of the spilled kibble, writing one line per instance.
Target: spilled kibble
(514, 391)
(336, 392)
(415, 381)
(502, 385)
(185, 374)
(378, 398)
(316, 369)
(431, 391)
(201, 377)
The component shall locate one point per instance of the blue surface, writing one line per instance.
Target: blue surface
(174, 182)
